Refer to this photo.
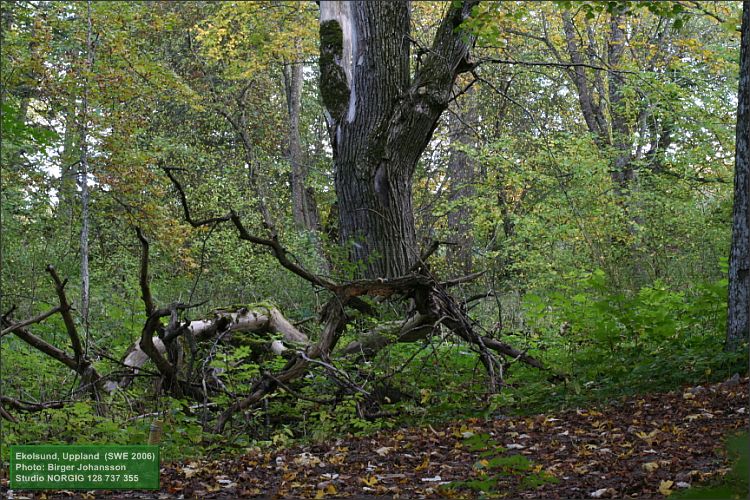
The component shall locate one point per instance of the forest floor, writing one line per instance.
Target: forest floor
(646, 446)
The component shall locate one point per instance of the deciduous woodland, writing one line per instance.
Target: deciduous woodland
(389, 248)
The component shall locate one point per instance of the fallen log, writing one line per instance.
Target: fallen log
(225, 322)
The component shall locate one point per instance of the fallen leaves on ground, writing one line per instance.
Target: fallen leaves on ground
(646, 446)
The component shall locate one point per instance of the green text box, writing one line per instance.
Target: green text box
(85, 467)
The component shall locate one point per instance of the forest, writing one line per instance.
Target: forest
(410, 249)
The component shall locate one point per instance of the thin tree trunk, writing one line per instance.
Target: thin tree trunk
(304, 212)
(462, 172)
(84, 164)
(623, 173)
(591, 112)
(738, 324)
(71, 157)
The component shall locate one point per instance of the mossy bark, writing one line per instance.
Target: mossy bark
(334, 89)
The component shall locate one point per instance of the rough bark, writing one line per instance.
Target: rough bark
(738, 324)
(380, 120)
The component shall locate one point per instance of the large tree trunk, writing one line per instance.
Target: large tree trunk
(380, 120)
(738, 324)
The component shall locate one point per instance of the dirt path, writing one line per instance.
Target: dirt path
(646, 446)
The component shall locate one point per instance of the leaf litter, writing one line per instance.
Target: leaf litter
(644, 446)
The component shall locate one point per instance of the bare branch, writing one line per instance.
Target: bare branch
(427, 253)
(272, 243)
(7, 416)
(27, 406)
(508, 349)
(148, 300)
(5, 317)
(549, 64)
(462, 279)
(185, 207)
(280, 253)
(70, 326)
(697, 6)
(30, 321)
(479, 296)
(45, 347)
(147, 344)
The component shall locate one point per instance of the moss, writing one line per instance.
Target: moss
(257, 307)
(331, 38)
(333, 85)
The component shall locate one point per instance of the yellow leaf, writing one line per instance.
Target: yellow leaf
(320, 494)
(664, 487)
(650, 466)
(369, 481)
(649, 438)
(331, 489)
(425, 463)
(426, 393)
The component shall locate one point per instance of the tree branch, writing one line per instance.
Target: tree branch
(148, 300)
(70, 326)
(462, 279)
(30, 321)
(45, 347)
(272, 243)
(146, 344)
(185, 207)
(27, 406)
(280, 253)
(549, 64)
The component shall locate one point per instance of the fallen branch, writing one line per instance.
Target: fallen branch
(334, 318)
(226, 321)
(28, 406)
(25, 406)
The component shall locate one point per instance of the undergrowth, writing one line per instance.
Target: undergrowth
(598, 346)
